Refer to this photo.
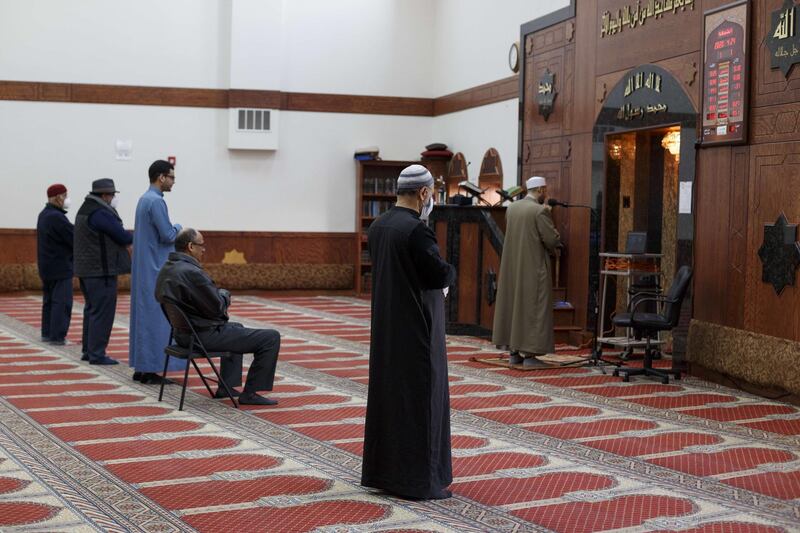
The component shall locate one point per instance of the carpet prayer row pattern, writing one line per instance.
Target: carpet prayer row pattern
(85, 448)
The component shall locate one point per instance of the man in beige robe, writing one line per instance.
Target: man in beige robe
(523, 315)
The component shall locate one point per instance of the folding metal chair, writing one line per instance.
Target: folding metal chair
(180, 322)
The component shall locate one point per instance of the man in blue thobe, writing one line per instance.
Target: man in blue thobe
(154, 237)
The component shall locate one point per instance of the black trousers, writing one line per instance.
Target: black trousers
(234, 337)
(98, 314)
(56, 308)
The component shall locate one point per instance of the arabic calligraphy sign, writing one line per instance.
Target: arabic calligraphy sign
(638, 80)
(783, 38)
(546, 94)
(725, 73)
(633, 16)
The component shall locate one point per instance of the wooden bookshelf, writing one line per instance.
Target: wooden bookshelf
(375, 194)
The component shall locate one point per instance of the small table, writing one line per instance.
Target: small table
(628, 266)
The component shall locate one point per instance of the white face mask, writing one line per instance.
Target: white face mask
(67, 203)
(426, 209)
(114, 202)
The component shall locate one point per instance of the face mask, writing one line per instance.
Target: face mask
(114, 202)
(426, 209)
(67, 203)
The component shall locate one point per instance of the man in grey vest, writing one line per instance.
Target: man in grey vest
(101, 254)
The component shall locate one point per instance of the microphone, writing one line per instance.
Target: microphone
(552, 202)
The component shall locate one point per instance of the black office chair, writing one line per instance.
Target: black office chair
(180, 322)
(649, 324)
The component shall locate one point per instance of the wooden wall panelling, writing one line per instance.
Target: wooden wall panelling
(218, 98)
(547, 150)
(775, 123)
(553, 37)
(561, 218)
(688, 70)
(488, 93)
(671, 35)
(257, 99)
(162, 96)
(17, 246)
(711, 224)
(769, 87)
(685, 68)
(568, 86)
(344, 103)
(774, 182)
(738, 256)
(282, 247)
(577, 238)
(583, 110)
(468, 263)
(535, 124)
(441, 238)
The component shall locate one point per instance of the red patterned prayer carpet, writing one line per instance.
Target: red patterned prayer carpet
(85, 448)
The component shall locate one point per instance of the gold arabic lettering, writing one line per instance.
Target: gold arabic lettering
(633, 16)
(785, 26)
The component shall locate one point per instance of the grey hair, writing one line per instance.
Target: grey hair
(185, 236)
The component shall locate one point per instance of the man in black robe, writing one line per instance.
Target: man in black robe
(407, 431)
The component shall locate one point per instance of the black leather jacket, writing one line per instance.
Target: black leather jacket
(184, 281)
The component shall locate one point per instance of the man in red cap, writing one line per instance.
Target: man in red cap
(54, 236)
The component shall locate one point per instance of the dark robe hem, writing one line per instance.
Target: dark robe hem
(406, 491)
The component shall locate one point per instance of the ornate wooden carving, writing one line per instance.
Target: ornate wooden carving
(774, 181)
(602, 91)
(769, 87)
(491, 175)
(458, 168)
(779, 254)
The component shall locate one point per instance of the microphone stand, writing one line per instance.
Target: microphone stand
(596, 357)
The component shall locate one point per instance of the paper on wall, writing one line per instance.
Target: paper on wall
(685, 197)
(124, 150)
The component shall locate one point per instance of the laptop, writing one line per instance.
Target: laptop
(636, 242)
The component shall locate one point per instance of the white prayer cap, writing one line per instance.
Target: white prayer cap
(534, 182)
(413, 177)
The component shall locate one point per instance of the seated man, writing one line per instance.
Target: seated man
(184, 282)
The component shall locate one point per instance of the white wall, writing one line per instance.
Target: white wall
(471, 45)
(475, 130)
(371, 47)
(175, 43)
(256, 44)
(472, 39)
(307, 185)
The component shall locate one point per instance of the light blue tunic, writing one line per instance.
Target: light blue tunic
(153, 240)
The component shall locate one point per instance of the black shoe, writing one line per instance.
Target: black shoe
(84, 356)
(251, 398)
(137, 376)
(220, 393)
(514, 358)
(44, 339)
(151, 378)
(60, 342)
(105, 360)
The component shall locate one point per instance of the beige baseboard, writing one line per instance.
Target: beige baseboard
(760, 360)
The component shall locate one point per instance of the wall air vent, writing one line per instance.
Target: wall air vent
(253, 129)
(252, 119)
